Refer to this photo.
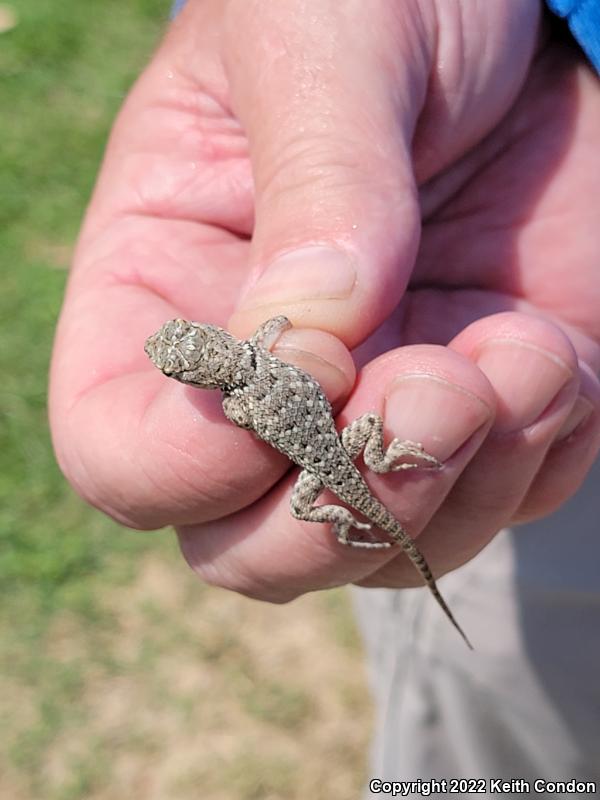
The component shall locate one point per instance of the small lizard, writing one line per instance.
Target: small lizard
(287, 408)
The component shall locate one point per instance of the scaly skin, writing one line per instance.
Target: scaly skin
(287, 408)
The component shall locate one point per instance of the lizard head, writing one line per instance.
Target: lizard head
(190, 352)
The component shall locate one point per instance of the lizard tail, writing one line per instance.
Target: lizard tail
(418, 559)
(388, 523)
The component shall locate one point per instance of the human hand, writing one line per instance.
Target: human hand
(311, 125)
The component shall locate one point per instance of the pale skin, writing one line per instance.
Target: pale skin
(259, 129)
(286, 408)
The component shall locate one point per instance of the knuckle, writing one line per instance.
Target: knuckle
(320, 164)
(242, 580)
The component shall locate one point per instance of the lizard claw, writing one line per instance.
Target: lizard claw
(369, 545)
(413, 450)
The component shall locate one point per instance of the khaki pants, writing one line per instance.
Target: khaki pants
(526, 704)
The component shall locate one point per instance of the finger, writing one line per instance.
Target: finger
(473, 219)
(429, 394)
(151, 452)
(571, 455)
(533, 369)
(154, 247)
(329, 117)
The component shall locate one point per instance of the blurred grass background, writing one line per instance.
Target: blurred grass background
(120, 675)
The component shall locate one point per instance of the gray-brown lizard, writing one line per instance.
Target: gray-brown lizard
(287, 408)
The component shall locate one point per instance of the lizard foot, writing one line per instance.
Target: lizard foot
(344, 524)
(399, 448)
(365, 435)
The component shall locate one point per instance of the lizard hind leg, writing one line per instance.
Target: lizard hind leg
(302, 505)
(366, 434)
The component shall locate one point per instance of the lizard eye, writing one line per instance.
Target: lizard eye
(169, 366)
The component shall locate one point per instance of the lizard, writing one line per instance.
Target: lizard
(287, 408)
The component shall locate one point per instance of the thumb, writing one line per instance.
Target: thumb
(329, 103)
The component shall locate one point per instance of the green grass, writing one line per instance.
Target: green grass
(65, 69)
(102, 677)
(59, 94)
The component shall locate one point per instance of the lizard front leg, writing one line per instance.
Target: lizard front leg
(235, 411)
(366, 433)
(267, 334)
(302, 505)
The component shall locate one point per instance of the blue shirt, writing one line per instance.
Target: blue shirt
(583, 17)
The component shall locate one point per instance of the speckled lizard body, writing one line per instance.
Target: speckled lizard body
(287, 408)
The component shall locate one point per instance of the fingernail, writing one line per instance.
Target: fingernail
(310, 273)
(580, 413)
(440, 415)
(526, 379)
(332, 379)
